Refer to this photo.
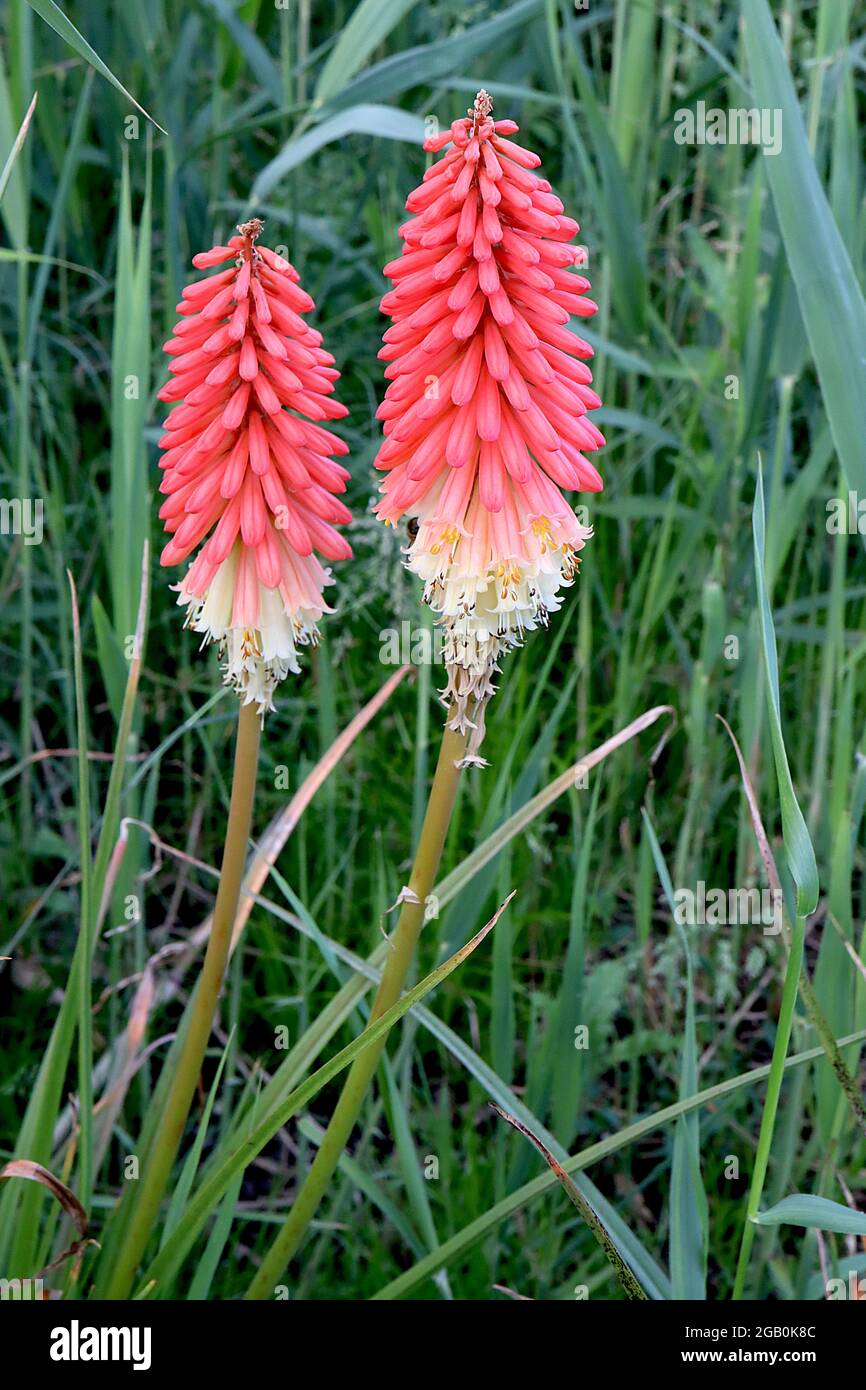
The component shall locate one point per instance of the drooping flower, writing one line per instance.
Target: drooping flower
(485, 419)
(247, 464)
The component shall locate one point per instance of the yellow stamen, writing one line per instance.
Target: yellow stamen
(249, 644)
(543, 530)
(450, 537)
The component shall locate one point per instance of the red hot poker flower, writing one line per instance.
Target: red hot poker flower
(247, 464)
(486, 417)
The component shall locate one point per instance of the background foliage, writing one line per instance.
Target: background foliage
(730, 330)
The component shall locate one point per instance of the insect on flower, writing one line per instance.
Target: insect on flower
(248, 465)
(486, 415)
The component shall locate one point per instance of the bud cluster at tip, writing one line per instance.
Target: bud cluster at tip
(247, 464)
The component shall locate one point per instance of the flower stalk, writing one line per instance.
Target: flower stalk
(179, 1098)
(410, 922)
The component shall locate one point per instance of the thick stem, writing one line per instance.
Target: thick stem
(404, 941)
(179, 1098)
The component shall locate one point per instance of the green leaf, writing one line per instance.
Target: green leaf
(368, 26)
(110, 653)
(426, 64)
(212, 1189)
(689, 1216)
(16, 146)
(624, 1274)
(831, 301)
(245, 41)
(799, 853)
(199, 1289)
(130, 391)
(53, 15)
(457, 1245)
(87, 924)
(819, 1213)
(12, 190)
(383, 121)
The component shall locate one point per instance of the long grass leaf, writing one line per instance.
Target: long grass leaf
(463, 1240)
(13, 154)
(689, 1215)
(625, 1275)
(819, 1213)
(211, 1191)
(53, 15)
(380, 121)
(831, 300)
(369, 25)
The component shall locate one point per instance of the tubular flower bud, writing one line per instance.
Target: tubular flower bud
(486, 417)
(247, 463)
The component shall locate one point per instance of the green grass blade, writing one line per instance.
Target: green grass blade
(624, 1275)
(183, 1187)
(18, 1224)
(130, 390)
(13, 191)
(819, 1213)
(688, 1200)
(211, 1191)
(53, 15)
(800, 857)
(428, 63)
(247, 42)
(16, 146)
(82, 984)
(463, 1240)
(799, 853)
(831, 300)
(381, 121)
(369, 25)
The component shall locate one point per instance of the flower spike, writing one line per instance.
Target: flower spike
(248, 464)
(486, 415)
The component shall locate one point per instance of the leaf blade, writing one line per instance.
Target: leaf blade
(831, 301)
(58, 21)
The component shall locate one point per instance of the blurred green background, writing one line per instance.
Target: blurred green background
(729, 337)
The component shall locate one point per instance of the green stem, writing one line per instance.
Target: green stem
(771, 1104)
(22, 440)
(422, 879)
(85, 1003)
(183, 1084)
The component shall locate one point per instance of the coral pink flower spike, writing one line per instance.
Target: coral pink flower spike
(245, 469)
(486, 415)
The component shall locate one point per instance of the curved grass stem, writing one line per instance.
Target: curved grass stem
(771, 1104)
